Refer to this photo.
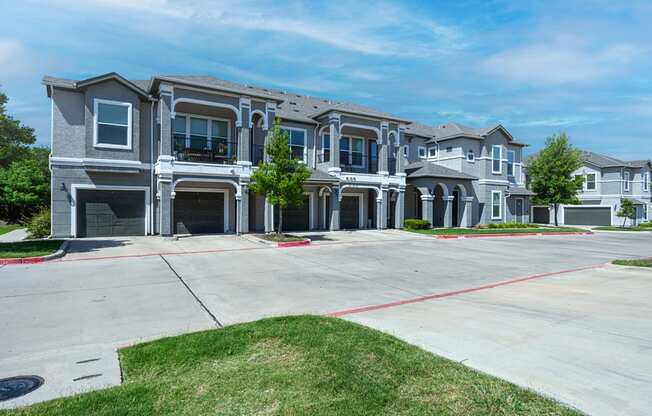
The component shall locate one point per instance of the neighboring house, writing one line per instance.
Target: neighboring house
(606, 182)
(174, 155)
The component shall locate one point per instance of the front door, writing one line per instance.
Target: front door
(519, 210)
(456, 208)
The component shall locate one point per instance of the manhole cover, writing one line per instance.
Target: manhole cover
(13, 387)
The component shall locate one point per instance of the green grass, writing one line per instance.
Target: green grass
(4, 229)
(29, 248)
(283, 238)
(638, 262)
(460, 231)
(303, 365)
(613, 228)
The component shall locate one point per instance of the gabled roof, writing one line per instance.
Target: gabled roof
(450, 131)
(424, 169)
(604, 161)
(49, 82)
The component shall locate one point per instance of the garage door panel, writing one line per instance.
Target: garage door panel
(541, 215)
(108, 213)
(587, 216)
(350, 212)
(199, 212)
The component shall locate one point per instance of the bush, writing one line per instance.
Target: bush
(510, 225)
(414, 224)
(646, 224)
(39, 225)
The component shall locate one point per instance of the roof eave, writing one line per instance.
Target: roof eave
(159, 78)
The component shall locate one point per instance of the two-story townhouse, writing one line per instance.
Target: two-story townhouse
(174, 155)
(462, 176)
(607, 181)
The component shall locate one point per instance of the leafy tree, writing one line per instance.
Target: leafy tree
(280, 179)
(14, 137)
(550, 173)
(25, 188)
(627, 210)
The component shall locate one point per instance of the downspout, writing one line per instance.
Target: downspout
(50, 163)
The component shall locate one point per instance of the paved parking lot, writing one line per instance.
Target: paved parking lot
(558, 334)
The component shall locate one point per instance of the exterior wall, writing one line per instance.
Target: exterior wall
(68, 128)
(483, 193)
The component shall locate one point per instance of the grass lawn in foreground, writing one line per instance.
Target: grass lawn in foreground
(28, 248)
(459, 231)
(637, 262)
(613, 228)
(303, 365)
(4, 229)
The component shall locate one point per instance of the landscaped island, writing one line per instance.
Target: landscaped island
(302, 365)
(423, 227)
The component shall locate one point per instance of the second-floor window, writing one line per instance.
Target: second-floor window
(297, 142)
(470, 156)
(626, 182)
(200, 139)
(326, 147)
(646, 181)
(422, 152)
(511, 156)
(112, 124)
(351, 151)
(590, 181)
(432, 152)
(496, 156)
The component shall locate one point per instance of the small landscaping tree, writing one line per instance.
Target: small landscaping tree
(280, 178)
(550, 173)
(627, 210)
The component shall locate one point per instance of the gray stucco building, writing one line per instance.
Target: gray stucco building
(174, 155)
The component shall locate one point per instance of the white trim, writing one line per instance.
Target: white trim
(323, 149)
(326, 209)
(96, 102)
(305, 140)
(361, 126)
(209, 180)
(562, 211)
(513, 163)
(436, 152)
(209, 104)
(586, 182)
(493, 181)
(500, 206)
(500, 159)
(311, 209)
(360, 195)
(73, 201)
(470, 152)
(646, 181)
(626, 180)
(251, 118)
(350, 151)
(82, 162)
(425, 152)
(520, 220)
(226, 216)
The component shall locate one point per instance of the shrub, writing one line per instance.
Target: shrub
(646, 224)
(414, 224)
(39, 225)
(510, 225)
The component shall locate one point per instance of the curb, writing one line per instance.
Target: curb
(33, 260)
(461, 236)
(305, 242)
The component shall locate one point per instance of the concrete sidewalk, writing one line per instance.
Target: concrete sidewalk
(14, 236)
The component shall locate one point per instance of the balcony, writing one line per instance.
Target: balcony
(353, 162)
(203, 150)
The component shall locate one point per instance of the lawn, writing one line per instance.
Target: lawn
(459, 231)
(612, 228)
(303, 365)
(282, 238)
(28, 248)
(638, 262)
(4, 229)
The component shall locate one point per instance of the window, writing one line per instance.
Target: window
(179, 133)
(496, 205)
(405, 151)
(326, 147)
(496, 165)
(511, 156)
(590, 181)
(220, 137)
(351, 151)
(198, 133)
(112, 124)
(646, 181)
(432, 151)
(627, 181)
(297, 142)
(470, 156)
(422, 152)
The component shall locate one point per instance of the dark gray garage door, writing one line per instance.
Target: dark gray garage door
(350, 212)
(103, 213)
(295, 218)
(198, 212)
(540, 215)
(587, 216)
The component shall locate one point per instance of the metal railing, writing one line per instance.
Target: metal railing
(353, 162)
(201, 149)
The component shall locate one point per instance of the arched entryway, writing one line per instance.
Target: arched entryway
(458, 206)
(439, 210)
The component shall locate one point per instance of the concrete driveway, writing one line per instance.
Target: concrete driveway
(556, 333)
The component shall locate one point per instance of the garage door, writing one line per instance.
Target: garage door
(540, 215)
(103, 213)
(350, 212)
(295, 218)
(198, 212)
(587, 216)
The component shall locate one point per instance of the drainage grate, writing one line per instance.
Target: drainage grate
(13, 387)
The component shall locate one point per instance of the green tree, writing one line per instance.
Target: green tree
(14, 137)
(25, 188)
(551, 173)
(280, 178)
(627, 210)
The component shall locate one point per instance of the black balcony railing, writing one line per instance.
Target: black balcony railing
(201, 149)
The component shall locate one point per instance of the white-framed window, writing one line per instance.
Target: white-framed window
(112, 124)
(406, 151)
(496, 205)
(422, 152)
(627, 181)
(198, 133)
(432, 152)
(470, 156)
(326, 147)
(511, 158)
(590, 181)
(297, 139)
(646, 181)
(352, 151)
(496, 156)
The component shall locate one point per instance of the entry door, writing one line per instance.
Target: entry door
(519, 210)
(456, 208)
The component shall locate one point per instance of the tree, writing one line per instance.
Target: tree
(14, 137)
(551, 173)
(280, 179)
(25, 187)
(627, 210)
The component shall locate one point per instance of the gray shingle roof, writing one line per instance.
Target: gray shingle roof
(604, 161)
(424, 169)
(520, 191)
(321, 176)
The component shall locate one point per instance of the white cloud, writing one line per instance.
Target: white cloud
(557, 122)
(16, 61)
(562, 61)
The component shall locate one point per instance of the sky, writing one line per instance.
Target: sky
(536, 67)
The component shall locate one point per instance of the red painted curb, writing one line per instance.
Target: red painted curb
(456, 236)
(25, 260)
(455, 292)
(294, 243)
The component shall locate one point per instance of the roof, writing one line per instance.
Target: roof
(450, 131)
(321, 176)
(604, 161)
(520, 191)
(424, 169)
(49, 82)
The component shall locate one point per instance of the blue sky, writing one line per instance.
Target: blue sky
(536, 67)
